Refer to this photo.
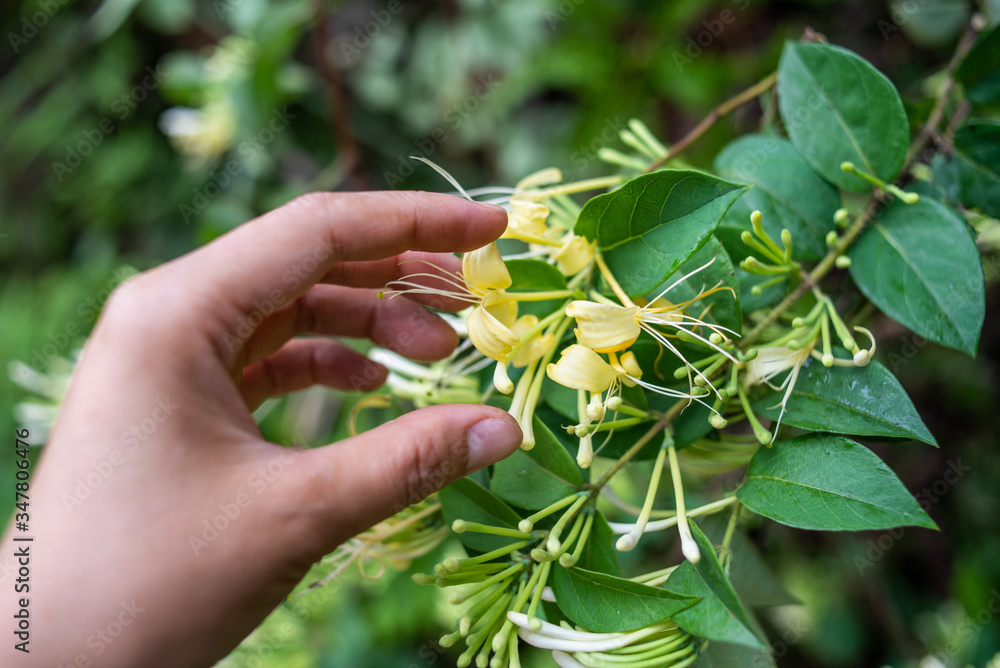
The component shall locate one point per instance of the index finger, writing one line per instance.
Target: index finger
(278, 256)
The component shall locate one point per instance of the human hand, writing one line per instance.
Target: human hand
(160, 407)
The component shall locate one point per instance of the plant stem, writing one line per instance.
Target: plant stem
(697, 131)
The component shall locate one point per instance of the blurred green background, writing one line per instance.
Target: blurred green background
(132, 131)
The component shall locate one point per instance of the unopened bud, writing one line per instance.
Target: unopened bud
(756, 291)
(422, 578)
(786, 238)
(716, 338)
(842, 262)
(841, 216)
(566, 560)
(832, 238)
(798, 322)
(717, 421)
(614, 403)
(862, 358)
(756, 217)
(626, 543)
(847, 166)
(525, 526)
(459, 526)
(827, 360)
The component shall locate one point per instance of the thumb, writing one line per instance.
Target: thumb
(360, 481)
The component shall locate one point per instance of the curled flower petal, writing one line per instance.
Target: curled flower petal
(604, 328)
(580, 368)
(483, 268)
(574, 256)
(489, 334)
(526, 219)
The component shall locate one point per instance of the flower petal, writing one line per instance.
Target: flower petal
(484, 269)
(490, 336)
(580, 368)
(604, 328)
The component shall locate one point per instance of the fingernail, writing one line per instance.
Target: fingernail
(492, 207)
(491, 440)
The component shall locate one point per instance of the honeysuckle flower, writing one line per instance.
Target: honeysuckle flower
(609, 327)
(772, 361)
(574, 255)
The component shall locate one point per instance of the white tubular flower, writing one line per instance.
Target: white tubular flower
(662, 644)
(771, 362)
(863, 357)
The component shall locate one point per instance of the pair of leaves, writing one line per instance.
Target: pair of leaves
(825, 482)
(836, 107)
(920, 266)
(654, 223)
(865, 401)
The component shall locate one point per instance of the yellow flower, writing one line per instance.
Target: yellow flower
(608, 327)
(484, 269)
(605, 328)
(533, 348)
(574, 255)
(580, 368)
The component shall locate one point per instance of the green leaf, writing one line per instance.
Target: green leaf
(725, 655)
(828, 483)
(651, 225)
(536, 478)
(752, 579)
(720, 615)
(837, 107)
(600, 554)
(980, 70)
(607, 604)
(535, 276)
(977, 165)
(468, 500)
(864, 401)
(920, 266)
(781, 177)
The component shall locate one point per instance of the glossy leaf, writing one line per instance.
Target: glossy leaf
(919, 264)
(535, 276)
(720, 614)
(607, 604)
(977, 165)
(726, 655)
(536, 478)
(979, 72)
(864, 401)
(830, 483)
(468, 500)
(651, 225)
(837, 107)
(752, 578)
(788, 193)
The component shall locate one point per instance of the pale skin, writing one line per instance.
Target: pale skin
(163, 396)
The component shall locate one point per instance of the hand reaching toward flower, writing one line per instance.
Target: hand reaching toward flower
(160, 409)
